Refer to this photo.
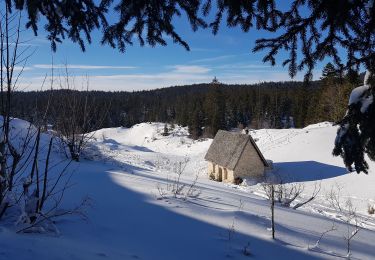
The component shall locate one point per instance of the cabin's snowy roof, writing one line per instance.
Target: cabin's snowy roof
(226, 149)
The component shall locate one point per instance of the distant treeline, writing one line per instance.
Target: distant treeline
(204, 108)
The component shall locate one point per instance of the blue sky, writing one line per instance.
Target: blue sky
(227, 56)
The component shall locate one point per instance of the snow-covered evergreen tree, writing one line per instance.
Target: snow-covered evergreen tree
(356, 135)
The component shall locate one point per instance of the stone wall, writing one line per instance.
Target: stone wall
(249, 164)
(220, 173)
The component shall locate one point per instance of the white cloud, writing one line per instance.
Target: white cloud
(190, 69)
(236, 66)
(19, 68)
(173, 78)
(128, 82)
(135, 82)
(222, 57)
(79, 66)
(174, 75)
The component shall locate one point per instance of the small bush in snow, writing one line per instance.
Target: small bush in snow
(286, 194)
(348, 215)
(246, 250)
(371, 209)
(231, 231)
(238, 180)
(166, 130)
(332, 228)
(176, 187)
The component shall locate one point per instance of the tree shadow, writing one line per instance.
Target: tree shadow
(142, 149)
(307, 171)
(93, 153)
(111, 143)
(128, 223)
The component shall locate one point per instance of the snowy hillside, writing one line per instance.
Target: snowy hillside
(299, 155)
(305, 155)
(128, 174)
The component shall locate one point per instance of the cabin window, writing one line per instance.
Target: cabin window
(225, 174)
(213, 167)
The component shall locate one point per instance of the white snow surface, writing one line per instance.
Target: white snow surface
(128, 220)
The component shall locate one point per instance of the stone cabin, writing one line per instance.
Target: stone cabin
(233, 155)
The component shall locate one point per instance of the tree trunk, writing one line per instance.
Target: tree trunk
(273, 210)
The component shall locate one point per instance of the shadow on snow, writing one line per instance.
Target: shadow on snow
(130, 225)
(307, 171)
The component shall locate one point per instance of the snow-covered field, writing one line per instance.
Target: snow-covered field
(128, 174)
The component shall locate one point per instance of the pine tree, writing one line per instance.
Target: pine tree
(215, 105)
(165, 130)
(331, 103)
(356, 135)
(196, 124)
(329, 72)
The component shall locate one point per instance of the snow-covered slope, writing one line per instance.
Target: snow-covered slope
(126, 169)
(305, 155)
(145, 147)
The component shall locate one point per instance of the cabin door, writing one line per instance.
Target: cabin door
(220, 176)
(225, 174)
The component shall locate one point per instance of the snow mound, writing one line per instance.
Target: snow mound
(146, 146)
(318, 125)
(151, 136)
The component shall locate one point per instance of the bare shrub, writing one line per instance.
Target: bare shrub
(231, 231)
(44, 222)
(15, 144)
(285, 195)
(32, 184)
(348, 215)
(178, 189)
(177, 186)
(317, 188)
(162, 192)
(76, 116)
(330, 229)
(193, 191)
(231, 227)
(288, 193)
(43, 192)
